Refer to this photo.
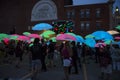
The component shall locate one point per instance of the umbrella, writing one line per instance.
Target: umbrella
(79, 38)
(26, 33)
(112, 32)
(13, 36)
(67, 37)
(3, 35)
(102, 35)
(23, 38)
(117, 37)
(89, 36)
(100, 44)
(71, 34)
(90, 42)
(118, 27)
(34, 36)
(47, 33)
(42, 26)
(53, 39)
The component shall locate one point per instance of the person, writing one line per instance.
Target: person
(74, 58)
(66, 59)
(105, 63)
(36, 54)
(50, 54)
(44, 53)
(79, 52)
(18, 53)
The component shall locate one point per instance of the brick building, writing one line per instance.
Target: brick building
(21, 15)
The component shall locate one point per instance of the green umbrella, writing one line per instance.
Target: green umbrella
(118, 27)
(53, 39)
(89, 36)
(47, 33)
(3, 35)
(26, 33)
(13, 37)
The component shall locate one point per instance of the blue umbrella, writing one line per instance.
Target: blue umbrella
(79, 38)
(42, 26)
(102, 35)
(90, 42)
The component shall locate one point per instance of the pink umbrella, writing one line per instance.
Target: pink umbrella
(23, 38)
(34, 36)
(100, 44)
(118, 37)
(67, 37)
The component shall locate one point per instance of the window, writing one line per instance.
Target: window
(87, 25)
(98, 12)
(82, 25)
(98, 25)
(82, 13)
(87, 13)
(70, 14)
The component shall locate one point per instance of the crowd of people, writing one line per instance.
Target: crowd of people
(71, 54)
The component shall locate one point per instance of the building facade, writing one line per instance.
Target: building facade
(19, 16)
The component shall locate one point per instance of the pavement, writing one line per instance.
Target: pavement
(89, 71)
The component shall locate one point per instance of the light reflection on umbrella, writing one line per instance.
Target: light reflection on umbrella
(42, 26)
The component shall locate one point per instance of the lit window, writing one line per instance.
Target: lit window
(87, 25)
(87, 13)
(70, 14)
(82, 25)
(98, 12)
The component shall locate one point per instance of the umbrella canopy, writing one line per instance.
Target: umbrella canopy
(23, 38)
(3, 35)
(79, 38)
(90, 42)
(118, 27)
(67, 37)
(53, 39)
(13, 36)
(26, 33)
(47, 33)
(89, 36)
(34, 36)
(42, 26)
(102, 35)
(113, 32)
(100, 44)
(117, 37)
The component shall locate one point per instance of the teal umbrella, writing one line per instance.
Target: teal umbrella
(90, 42)
(118, 27)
